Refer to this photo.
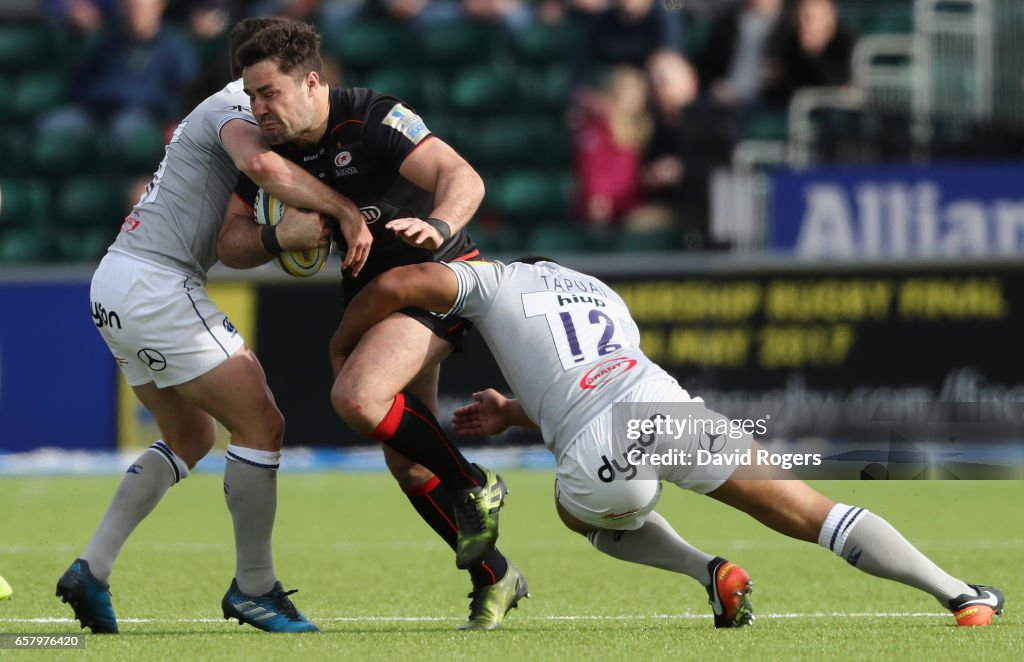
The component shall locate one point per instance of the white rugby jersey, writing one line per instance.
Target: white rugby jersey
(176, 221)
(564, 341)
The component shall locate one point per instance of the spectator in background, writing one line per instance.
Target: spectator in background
(82, 16)
(513, 14)
(608, 148)
(421, 14)
(687, 143)
(550, 12)
(810, 49)
(335, 13)
(732, 64)
(133, 74)
(626, 33)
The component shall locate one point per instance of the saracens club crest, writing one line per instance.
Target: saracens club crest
(342, 159)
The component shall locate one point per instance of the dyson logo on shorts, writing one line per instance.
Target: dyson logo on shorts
(605, 371)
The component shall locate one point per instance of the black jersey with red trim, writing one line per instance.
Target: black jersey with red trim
(368, 137)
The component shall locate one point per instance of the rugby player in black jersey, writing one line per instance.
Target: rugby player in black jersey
(416, 195)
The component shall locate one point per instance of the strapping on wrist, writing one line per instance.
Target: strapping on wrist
(268, 235)
(441, 226)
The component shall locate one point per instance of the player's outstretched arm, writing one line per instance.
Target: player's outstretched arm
(296, 187)
(490, 413)
(458, 191)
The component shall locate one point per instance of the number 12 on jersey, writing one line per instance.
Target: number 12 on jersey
(583, 327)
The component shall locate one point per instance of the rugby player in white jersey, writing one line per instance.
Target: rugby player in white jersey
(569, 349)
(184, 359)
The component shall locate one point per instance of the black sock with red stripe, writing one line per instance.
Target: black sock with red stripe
(434, 504)
(411, 429)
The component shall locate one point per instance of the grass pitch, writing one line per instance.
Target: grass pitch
(381, 586)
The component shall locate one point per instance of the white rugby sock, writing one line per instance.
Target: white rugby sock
(141, 488)
(655, 544)
(871, 544)
(250, 489)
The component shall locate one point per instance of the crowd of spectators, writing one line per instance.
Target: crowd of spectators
(651, 109)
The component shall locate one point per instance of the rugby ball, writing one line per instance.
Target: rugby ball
(301, 264)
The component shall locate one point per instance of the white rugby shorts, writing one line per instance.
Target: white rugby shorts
(598, 484)
(159, 324)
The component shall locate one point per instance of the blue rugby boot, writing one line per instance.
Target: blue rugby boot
(270, 612)
(89, 597)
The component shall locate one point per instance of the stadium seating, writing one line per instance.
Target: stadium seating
(142, 150)
(519, 140)
(36, 92)
(490, 239)
(90, 201)
(647, 240)
(25, 47)
(533, 196)
(14, 146)
(415, 86)
(66, 151)
(480, 89)
(558, 238)
(86, 245)
(543, 44)
(24, 202)
(463, 42)
(369, 44)
(25, 246)
(545, 88)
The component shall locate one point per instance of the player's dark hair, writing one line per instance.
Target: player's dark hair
(293, 45)
(534, 259)
(243, 31)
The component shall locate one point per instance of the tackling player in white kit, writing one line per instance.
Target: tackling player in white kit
(184, 359)
(569, 349)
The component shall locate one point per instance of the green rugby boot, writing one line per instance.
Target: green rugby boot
(489, 604)
(476, 516)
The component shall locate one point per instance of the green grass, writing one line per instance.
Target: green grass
(381, 586)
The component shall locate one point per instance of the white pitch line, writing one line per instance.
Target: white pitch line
(593, 617)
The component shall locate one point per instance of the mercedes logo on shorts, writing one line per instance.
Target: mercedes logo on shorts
(712, 446)
(153, 359)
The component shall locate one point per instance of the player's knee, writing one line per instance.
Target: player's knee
(353, 408)
(274, 421)
(264, 432)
